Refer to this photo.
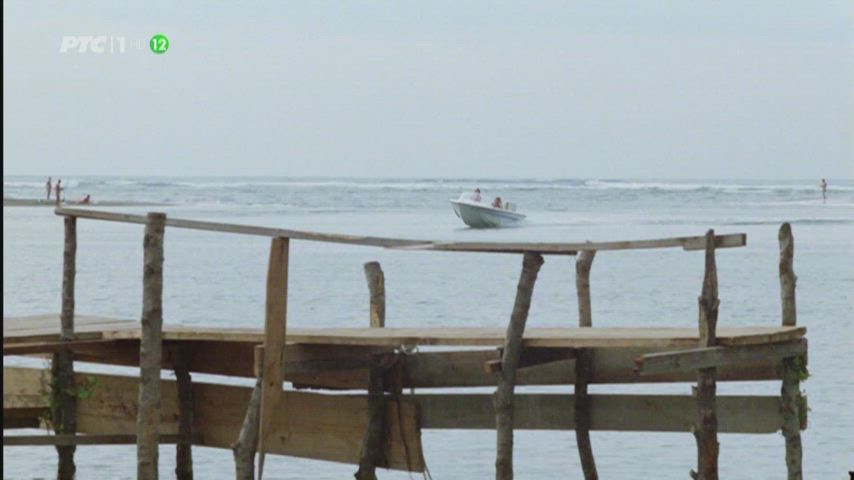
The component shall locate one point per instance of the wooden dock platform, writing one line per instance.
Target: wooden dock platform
(45, 328)
(348, 394)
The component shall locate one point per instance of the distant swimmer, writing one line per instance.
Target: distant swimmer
(85, 199)
(48, 187)
(824, 189)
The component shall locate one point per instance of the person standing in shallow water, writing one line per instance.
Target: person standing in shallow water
(58, 190)
(824, 189)
(48, 187)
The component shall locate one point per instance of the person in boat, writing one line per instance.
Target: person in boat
(85, 199)
(497, 203)
(476, 196)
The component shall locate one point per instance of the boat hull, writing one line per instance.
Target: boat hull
(482, 216)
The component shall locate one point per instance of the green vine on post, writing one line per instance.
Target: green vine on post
(49, 390)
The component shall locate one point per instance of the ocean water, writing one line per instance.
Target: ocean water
(218, 279)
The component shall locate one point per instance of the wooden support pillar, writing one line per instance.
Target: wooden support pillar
(792, 366)
(503, 399)
(275, 323)
(583, 366)
(150, 348)
(247, 441)
(373, 454)
(376, 286)
(63, 414)
(184, 447)
(706, 425)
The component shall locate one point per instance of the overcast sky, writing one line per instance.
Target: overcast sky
(438, 89)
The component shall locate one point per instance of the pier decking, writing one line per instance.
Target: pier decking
(363, 414)
(45, 328)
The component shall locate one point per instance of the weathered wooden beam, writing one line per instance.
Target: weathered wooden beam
(183, 449)
(687, 243)
(63, 413)
(53, 347)
(503, 400)
(794, 366)
(743, 414)
(705, 427)
(71, 440)
(150, 349)
(26, 417)
(331, 427)
(376, 287)
(275, 324)
(530, 357)
(697, 358)
(321, 427)
(583, 366)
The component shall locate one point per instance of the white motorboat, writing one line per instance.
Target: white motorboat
(477, 214)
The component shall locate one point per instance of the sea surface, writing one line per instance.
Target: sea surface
(218, 279)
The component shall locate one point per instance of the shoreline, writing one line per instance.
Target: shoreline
(32, 202)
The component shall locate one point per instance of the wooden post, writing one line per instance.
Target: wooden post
(503, 399)
(792, 366)
(150, 349)
(63, 414)
(372, 454)
(706, 424)
(184, 447)
(583, 366)
(247, 441)
(376, 286)
(275, 323)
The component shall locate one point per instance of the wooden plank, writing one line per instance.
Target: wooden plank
(240, 229)
(694, 359)
(641, 337)
(24, 417)
(345, 367)
(541, 337)
(687, 243)
(70, 440)
(609, 412)
(52, 347)
(321, 427)
(532, 357)
(275, 322)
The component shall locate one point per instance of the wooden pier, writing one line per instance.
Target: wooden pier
(352, 392)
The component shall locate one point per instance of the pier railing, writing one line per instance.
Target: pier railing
(590, 359)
